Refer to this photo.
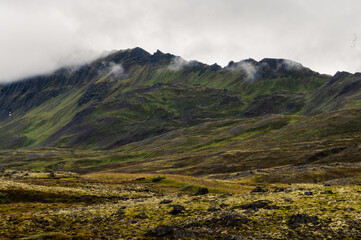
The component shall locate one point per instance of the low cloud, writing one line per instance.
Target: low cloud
(247, 67)
(113, 69)
(290, 65)
(40, 36)
(177, 64)
(253, 69)
(116, 70)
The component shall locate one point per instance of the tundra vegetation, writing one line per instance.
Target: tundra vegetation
(63, 205)
(145, 146)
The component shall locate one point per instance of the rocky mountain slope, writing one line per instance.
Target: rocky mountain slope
(140, 108)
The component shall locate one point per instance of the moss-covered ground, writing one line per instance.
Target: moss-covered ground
(63, 205)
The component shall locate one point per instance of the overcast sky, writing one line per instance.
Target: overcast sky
(39, 36)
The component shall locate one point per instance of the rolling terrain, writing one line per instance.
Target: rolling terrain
(149, 146)
(38, 205)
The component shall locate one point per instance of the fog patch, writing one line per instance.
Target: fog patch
(115, 70)
(246, 66)
(250, 69)
(290, 65)
(177, 64)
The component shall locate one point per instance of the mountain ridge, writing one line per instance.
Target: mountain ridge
(131, 96)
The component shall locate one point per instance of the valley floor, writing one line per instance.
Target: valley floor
(63, 205)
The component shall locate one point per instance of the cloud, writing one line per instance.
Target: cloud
(39, 36)
(177, 64)
(253, 69)
(115, 70)
(249, 68)
(290, 65)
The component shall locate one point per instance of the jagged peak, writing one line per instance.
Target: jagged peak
(158, 52)
(249, 60)
(140, 56)
(129, 52)
(138, 50)
(160, 58)
(215, 67)
(267, 67)
(277, 63)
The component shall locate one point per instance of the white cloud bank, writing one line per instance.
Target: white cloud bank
(39, 36)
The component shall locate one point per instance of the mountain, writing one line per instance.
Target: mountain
(155, 111)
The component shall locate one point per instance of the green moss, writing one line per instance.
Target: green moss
(107, 216)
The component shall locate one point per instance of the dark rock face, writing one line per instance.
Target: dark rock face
(201, 191)
(268, 68)
(215, 67)
(134, 56)
(160, 58)
(139, 56)
(298, 219)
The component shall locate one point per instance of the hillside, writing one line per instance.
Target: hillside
(149, 146)
(159, 112)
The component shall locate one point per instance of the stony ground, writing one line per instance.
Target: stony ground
(59, 205)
